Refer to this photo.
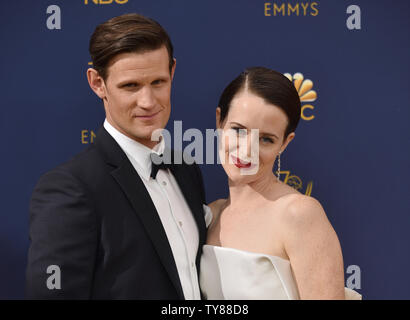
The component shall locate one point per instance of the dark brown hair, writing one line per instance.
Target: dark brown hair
(127, 33)
(271, 86)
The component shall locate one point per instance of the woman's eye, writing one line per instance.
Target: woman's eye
(266, 140)
(240, 131)
(130, 85)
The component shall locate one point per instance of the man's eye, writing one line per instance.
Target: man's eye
(130, 85)
(157, 82)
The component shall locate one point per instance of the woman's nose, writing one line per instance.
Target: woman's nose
(245, 146)
(249, 146)
(252, 144)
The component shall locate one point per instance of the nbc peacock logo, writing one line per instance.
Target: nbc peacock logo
(295, 182)
(306, 94)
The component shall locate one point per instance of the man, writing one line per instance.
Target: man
(109, 221)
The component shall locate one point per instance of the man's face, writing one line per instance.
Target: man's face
(137, 93)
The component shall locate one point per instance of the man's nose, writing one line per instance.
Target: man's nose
(146, 99)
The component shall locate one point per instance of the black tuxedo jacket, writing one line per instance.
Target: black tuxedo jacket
(94, 219)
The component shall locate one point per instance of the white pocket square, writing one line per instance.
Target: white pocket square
(207, 215)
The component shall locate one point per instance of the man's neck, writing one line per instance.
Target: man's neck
(145, 142)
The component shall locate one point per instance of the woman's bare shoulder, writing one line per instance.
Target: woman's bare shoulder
(301, 211)
(217, 205)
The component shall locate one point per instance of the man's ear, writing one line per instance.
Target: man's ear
(96, 83)
(173, 69)
(289, 138)
(218, 118)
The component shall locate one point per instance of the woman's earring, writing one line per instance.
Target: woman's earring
(278, 172)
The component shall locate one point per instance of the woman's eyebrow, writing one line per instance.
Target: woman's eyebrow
(237, 123)
(269, 134)
(262, 133)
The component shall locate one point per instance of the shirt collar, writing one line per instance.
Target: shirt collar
(137, 153)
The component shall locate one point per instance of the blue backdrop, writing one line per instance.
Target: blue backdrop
(351, 150)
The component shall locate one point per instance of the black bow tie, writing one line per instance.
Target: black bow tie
(157, 163)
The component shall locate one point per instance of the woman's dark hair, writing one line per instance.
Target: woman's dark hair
(127, 33)
(271, 86)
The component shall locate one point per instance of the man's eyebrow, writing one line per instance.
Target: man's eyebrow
(262, 133)
(125, 81)
(131, 80)
(161, 78)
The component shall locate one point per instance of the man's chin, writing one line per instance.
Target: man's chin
(146, 132)
(150, 137)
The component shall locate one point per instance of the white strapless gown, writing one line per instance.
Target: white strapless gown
(232, 274)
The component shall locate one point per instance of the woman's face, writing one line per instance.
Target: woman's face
(248, 155)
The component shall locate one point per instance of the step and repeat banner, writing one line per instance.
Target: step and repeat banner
(349, 60)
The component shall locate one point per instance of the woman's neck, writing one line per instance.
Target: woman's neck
(244, 194)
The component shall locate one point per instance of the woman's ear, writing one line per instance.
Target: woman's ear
(218, 118)
(289, 138)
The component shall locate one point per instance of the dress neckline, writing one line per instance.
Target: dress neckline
(247, 252)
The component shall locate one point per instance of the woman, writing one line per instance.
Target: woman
(267, 240)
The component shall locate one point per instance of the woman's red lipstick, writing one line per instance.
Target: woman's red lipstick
(239, 163)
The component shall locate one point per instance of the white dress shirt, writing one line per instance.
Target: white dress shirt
(174, 213)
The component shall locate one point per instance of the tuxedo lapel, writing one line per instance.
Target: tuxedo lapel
(133, 187)
(138, 195)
